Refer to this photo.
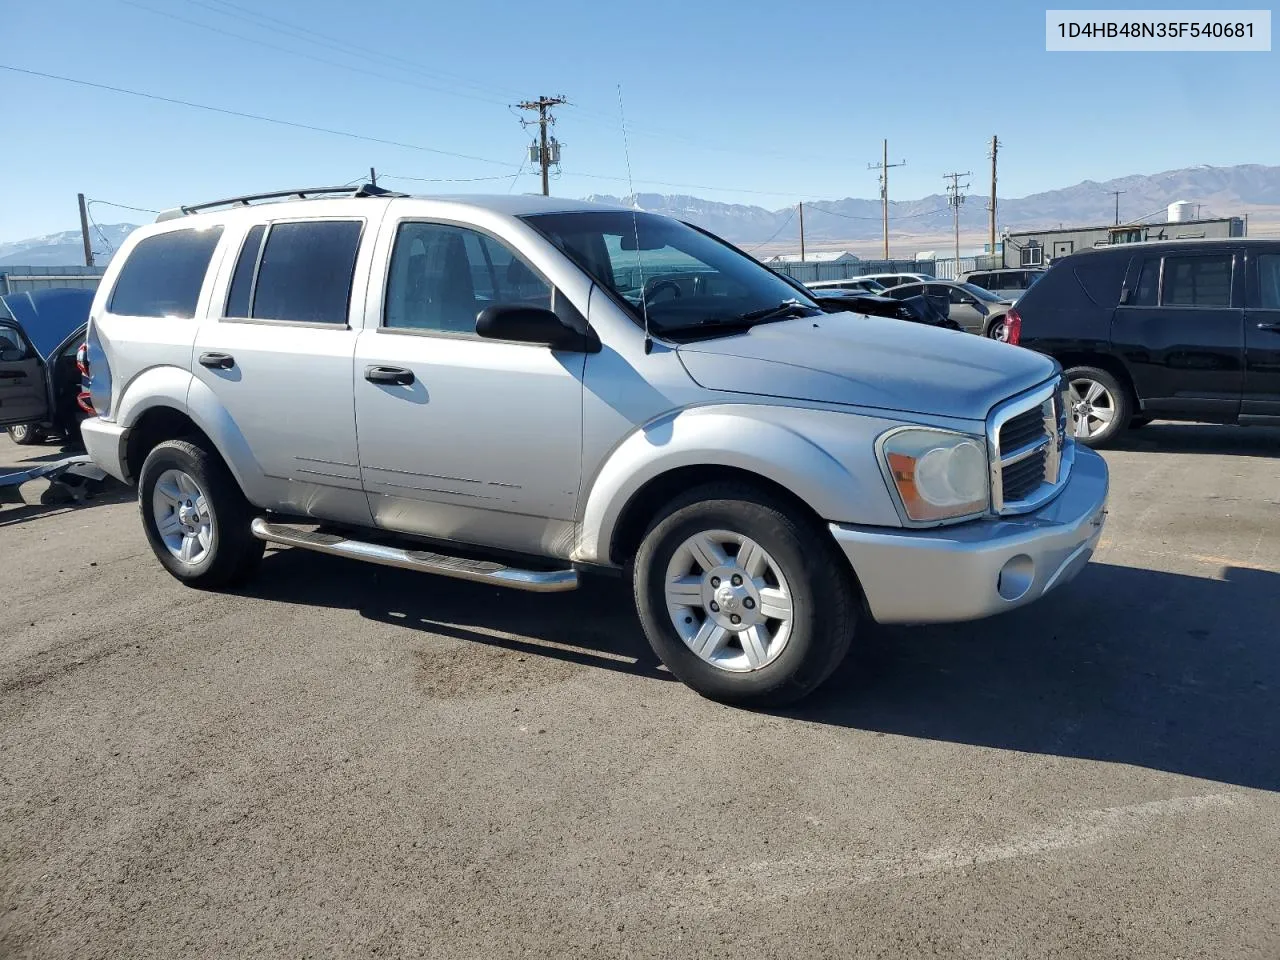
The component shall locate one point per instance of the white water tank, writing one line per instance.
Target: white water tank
(1181, 211)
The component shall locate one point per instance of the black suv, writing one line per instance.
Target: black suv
(1178, 330)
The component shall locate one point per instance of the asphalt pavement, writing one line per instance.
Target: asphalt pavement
(341, 760)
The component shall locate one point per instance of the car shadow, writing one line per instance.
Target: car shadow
(1213, 439)
(594, 626)
(1124, 665)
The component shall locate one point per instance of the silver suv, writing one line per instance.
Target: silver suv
(517, 390)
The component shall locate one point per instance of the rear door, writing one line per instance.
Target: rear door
(24, 393)
(964, 308)
(1181, 332)
(1262, 340)
(277, 354)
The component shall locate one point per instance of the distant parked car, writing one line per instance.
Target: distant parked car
(40, 383)
(856, 284)
(897, 279)
(1009, 283)
(1177, 330)
(911, 309)
(976, 310)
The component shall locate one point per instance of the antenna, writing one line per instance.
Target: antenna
(635, 227)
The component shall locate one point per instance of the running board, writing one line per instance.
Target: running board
(460, 568)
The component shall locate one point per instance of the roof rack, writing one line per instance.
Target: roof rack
(365, 190)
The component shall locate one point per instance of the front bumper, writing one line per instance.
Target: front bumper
(105, 443)
(977, 569)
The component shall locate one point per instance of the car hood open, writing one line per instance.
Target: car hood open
(869, 362)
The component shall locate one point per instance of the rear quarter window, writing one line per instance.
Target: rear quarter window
(1101, 278)
(164, 274)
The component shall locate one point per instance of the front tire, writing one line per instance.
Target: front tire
(26, 434)
(742, 599)
(195, 517)
(1098, 404)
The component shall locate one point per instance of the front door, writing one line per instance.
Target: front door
(1262, 340)
(278, 359)
(461, 438)
(1181, 333)
(24, 394)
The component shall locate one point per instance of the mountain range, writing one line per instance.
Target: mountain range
(1219, 191)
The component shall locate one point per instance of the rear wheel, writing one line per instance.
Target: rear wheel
(1098, 403)
(742, 600)
(998, 329)
(26, 434)
(195, 517)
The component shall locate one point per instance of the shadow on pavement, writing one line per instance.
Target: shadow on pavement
(1134, 666)
(594, 626)
(1165, 437)
(1160, 670)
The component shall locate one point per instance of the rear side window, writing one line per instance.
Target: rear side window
(1197, 281)
(1101, 277)
(1148, 284)
(164, 274)
(304, 274)
(1267, 296)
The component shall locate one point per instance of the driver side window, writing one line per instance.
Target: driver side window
(665, 274)
(442, 276)
(12, 346)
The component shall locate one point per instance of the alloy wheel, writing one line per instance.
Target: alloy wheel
(729, 601)
(183, 516)
(1093, 407)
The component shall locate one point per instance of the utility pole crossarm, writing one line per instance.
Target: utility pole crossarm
(955, 199)
(543, 106)
(884, 166)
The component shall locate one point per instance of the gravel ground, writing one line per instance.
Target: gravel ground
(341, 760)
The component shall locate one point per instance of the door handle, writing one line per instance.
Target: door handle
(217, 361)
(379, 374)
(1269, 326)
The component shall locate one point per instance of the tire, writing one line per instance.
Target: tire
(995, 329)
(1101, 392)
(208, 501)
(26, 434)
(776, 661)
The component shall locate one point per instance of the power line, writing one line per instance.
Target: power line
(295, 31)
(122, 206)
(790, 217)
(309, 56)
(905, 216)
(254, 116)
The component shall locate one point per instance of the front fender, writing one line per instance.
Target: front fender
(825, 458)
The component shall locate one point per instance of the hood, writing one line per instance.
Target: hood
(50, 316)
(869, 362)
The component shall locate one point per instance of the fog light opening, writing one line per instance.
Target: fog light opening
(1016, 577)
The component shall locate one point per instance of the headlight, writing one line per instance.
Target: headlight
(937, 475)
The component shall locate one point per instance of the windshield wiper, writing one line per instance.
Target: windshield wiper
(785, 308)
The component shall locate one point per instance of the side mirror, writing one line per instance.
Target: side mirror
(522, 324)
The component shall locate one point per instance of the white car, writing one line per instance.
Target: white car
(513, 390)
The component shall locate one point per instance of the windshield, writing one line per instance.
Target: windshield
(683, 277)
(980, 292)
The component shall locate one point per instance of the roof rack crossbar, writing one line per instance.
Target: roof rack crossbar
(365, 190)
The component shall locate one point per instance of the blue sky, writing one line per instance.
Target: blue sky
(743, 101)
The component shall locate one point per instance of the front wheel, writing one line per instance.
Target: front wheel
(195, 517)
(26, 434)
(742, 600)
(1098, 404)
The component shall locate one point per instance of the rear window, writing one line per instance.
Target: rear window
(164, 274)
(303, 272)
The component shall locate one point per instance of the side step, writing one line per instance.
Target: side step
(460, 568)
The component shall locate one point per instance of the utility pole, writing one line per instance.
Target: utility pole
(802, 231)
(1117, 193)
(543, 106)
(883, 166)
(956, 198)
(84, 231)
(991, 206)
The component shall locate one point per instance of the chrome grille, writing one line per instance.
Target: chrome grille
(1030, 454)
